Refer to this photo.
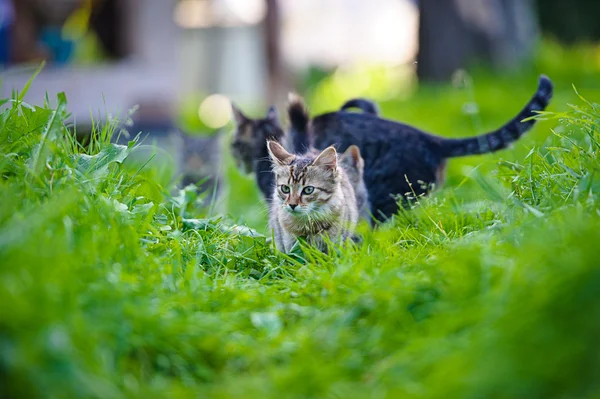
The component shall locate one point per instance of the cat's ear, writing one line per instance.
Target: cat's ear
(272, 116)
(327, 158)
(238, 115)
(278, 154)
(352, 158)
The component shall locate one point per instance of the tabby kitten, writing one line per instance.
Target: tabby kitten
(313, 198)
(401, 160)
(249, 145)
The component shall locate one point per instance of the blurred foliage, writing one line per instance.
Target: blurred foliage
(112, 287)
(78, 23)
(188, 117)
(77, 30)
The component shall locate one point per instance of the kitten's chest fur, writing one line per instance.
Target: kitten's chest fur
(316, 234)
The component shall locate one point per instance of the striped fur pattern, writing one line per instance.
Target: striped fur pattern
(507, 134)
(313, 198)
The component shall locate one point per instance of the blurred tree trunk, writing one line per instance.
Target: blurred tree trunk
(454, 33)
(108, 21)
(273, 53)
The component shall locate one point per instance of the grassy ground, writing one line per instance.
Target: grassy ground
(112, 288)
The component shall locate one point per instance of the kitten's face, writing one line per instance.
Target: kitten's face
(250, 135)
(305, 184)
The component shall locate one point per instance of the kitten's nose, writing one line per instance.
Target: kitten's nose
(293, 206)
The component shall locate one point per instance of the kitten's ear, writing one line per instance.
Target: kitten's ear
(352, 158)
(238, 115)
(278, 154)
(272, 115)
(327, 158)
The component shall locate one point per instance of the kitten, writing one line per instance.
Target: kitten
(313, 198)
(249, 144)
(401, 160)
(354, 166)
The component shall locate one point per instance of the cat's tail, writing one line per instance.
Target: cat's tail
(299, 124)
(366, 106)
(507, 134)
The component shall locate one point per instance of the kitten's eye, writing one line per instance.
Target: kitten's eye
(308, 190)
(285, 189)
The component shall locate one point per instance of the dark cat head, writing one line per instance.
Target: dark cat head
(251, 135)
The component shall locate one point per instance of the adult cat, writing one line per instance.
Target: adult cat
(401, 160)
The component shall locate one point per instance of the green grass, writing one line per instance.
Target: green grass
(111, 287)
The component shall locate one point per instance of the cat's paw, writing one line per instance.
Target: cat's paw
(356, 239)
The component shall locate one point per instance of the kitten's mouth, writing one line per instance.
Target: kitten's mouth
(294, 212)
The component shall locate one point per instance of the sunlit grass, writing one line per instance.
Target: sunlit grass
(112, 287)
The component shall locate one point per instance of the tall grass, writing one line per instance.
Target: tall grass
(111, 287)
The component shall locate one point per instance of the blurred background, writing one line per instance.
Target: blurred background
(168, 68)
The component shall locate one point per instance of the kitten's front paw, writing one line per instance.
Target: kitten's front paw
(356, 239)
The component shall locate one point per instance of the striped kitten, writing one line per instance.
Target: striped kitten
(313, 197)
